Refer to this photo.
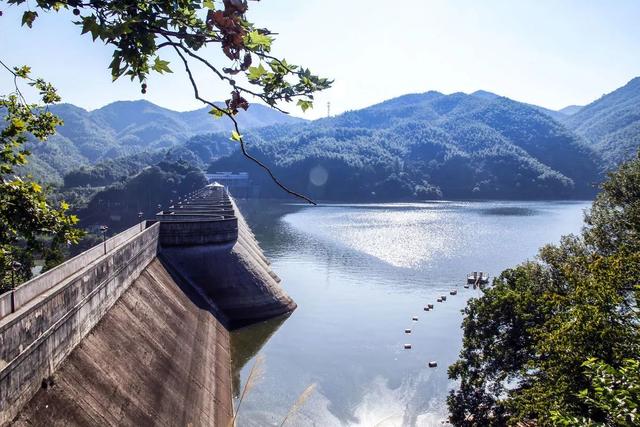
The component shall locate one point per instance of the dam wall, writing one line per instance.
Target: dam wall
(51, 317)
(232, 270)
(158, 357)
(135, 331)
(37, 286)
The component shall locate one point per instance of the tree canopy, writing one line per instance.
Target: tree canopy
(30, 227)
(139, 30)
(554, 340)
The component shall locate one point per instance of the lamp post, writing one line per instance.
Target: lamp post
(15, 266)
(103, 230)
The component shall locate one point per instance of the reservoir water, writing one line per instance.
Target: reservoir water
(359, 273)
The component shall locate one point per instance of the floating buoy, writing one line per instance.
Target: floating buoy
(453, 292)
(407, 346)
(407, 331)
(414, 318)
(433, 364)
(430, 306)
(439, 300)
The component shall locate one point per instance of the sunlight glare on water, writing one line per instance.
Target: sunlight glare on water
(403, 238)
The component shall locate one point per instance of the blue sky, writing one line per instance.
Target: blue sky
(547, 52)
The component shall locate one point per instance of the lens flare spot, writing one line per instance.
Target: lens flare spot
(318, 176)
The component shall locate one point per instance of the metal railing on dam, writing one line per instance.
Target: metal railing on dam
(155, 301)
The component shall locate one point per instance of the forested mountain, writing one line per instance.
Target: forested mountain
(199, 151)
(118, 205)
(570, 109)
(558, 115)
(415, 146)
(427, 145)
(129, 127)
(612, 123)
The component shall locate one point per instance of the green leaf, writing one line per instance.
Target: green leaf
(89, 24)
(254, 41)
(235, 136)
(208, 4)
(28, 17)
(23, 71)
(304, 104)
(161, 66)
(217, 113)
(256, 72)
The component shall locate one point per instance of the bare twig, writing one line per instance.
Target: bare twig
(299, 402)
(254, 375)
(15, 82)
(232, 82)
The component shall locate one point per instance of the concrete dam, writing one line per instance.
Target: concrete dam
(135, 331)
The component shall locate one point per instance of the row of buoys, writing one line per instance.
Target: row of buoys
(429, 307)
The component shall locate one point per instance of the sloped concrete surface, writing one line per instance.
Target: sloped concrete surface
(158, 357)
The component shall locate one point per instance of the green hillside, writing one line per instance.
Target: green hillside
(612, 123)
(416, 146)
(427, 145)
(129, 127)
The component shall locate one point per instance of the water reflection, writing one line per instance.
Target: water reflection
(246, 343)
(510, 211)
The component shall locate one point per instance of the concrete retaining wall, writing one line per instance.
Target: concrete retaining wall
(216, 273)
(159, 357)
(5, 304)
(40, 284)
(189, 233)
(51, 320)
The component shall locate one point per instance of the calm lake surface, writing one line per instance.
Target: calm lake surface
(359, 273)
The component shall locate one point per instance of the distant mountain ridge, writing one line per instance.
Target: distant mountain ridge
(478, 145)
(570, 110)
(611, 124)
(129, 127)
(428, 145)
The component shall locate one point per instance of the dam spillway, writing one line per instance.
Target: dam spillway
(135, 331)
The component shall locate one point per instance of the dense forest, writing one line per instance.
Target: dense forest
(127, 128)
(611, 124)
(418, 146)
(428, 146)
(556, 339)
(453, 146)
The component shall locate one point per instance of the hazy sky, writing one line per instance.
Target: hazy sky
(547, 52)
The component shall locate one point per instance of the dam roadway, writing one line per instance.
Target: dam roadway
(135, 331)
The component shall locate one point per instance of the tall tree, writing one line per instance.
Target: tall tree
(544, 338)
(30, 227)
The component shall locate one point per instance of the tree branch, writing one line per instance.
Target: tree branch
(222, 76)
(235, 125)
